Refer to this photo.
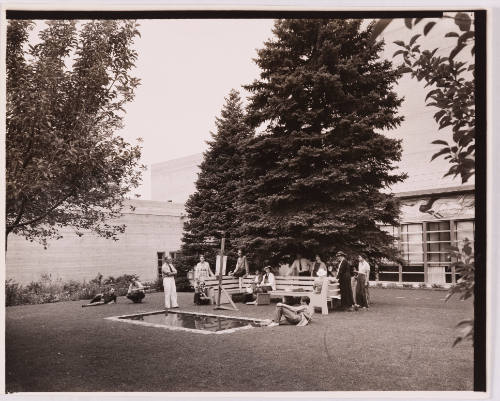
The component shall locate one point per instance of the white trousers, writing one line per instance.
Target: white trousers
(170, 292)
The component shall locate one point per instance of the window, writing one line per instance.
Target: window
(411, 243)
(438, 242)
(160, 256)
(464, 230)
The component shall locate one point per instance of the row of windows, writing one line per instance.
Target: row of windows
(424, 248)
(429, 241)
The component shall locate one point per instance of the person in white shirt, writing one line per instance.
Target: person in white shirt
(318, 268)
(202, 270)
(135, 291)
(301, 266)
(268, 282)
(362, 282)
(169, 271)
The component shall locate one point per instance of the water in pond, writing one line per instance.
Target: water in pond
(192, 321)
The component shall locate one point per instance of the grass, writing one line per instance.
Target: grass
(403, 342)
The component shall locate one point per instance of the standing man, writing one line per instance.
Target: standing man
(301, 266)
(362, 284)
(169, 271)
(241, 268)
(344, 278)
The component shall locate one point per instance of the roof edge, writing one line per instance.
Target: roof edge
(437, 191)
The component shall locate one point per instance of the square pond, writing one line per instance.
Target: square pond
(191, 321)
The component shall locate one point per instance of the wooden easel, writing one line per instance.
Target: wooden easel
(222, 290)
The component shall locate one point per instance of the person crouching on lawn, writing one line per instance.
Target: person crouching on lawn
(135, 291)
(296, 315)
(108, 297)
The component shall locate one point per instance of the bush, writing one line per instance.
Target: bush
(48, 289)
(407, 285)
(183, 284)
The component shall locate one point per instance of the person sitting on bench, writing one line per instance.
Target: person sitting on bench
(296, 315)
(253, 289)
(268, 282)
(135, 291)
(107, 297)
(241, 268)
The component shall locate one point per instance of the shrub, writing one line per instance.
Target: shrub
(183, 284)
(47, 289)
(422, 285)
(434, 285)
(407, 285)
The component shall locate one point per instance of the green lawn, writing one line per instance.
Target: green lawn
(402, 343)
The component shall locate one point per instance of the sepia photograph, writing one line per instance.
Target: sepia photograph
(245, 201)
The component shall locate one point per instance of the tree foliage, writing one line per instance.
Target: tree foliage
(451, 84)
(451, 88)
(463, 262)
(65, 97)
(315, 177)
(211, 209)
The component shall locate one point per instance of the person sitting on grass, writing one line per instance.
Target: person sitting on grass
(108, 297)
(296, 315)
(135, 291)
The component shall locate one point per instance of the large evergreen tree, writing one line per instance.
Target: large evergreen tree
(211, 209)
(317, 177)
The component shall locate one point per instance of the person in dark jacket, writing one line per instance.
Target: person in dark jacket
(107, 297)
(344, 274)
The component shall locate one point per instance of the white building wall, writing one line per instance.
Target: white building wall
(175, 179)
(153, 227)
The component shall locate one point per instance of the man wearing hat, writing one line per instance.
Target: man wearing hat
(344, 277)
(268, 282)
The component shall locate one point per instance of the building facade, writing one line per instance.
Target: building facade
(152, 229)
(431, 222)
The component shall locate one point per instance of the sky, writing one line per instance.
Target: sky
(187, 67)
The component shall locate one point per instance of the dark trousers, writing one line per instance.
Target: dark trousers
(136, 297)
(103, 298)
(239, 273)
(305, 273)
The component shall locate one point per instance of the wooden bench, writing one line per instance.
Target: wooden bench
(299, 286)
(229, 283)
(286, 286)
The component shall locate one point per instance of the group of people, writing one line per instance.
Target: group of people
(353, 284)
(349, 278)
(136, 293)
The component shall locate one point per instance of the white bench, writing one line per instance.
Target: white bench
(299, 286)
